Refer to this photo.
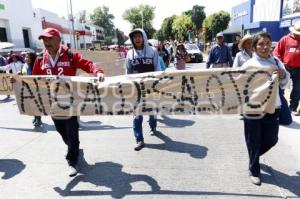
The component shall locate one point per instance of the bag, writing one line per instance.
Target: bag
(187, 58)
(285, 117)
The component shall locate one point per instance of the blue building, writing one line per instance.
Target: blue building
(273, 16)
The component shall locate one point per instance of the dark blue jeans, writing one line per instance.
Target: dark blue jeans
(137, 126)
(69, 131)
(295, 93)
(260, 135)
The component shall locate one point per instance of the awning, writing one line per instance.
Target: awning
(233, 29)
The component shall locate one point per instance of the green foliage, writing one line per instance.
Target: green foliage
(167, 27)
(198, 15)
(217, 22)
(121, 37)
(136, 14)
(182, 26)
(159, 35)
(101, 17)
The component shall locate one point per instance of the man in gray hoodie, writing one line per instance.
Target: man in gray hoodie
(141, 59)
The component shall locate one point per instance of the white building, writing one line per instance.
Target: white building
(21, 25)
(16, 23)
(87, 32)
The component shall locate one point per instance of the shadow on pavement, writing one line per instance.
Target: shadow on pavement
(294, 125)
(275, 177)
(173, 122)
(97, 125)
(7, 100)
(106, 174)
(195, 151)
(84, 126)
(10, 167)
(110, 175)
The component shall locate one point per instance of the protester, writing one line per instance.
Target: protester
(14, 66)
(60, 60)
(261, 133)
(219, 55)
(26, 69)
(236, 46)
(246, 51)
(287, 50)
(180, 57)
(142, 58)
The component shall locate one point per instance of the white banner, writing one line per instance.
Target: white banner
(6, 88)
(217, 91)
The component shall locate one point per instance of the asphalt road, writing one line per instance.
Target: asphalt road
(190, 157)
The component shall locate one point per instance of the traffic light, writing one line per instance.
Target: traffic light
(77, 35)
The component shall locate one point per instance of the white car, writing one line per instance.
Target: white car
(194, 52)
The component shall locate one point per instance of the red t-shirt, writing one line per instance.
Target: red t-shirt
(288, 51)
(65, 64)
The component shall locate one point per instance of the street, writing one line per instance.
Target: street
(190, 157)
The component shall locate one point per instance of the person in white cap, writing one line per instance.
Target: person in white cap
(219, 55)
(245, 54)
(288, 51)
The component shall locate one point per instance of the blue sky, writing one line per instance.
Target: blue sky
(164, 8)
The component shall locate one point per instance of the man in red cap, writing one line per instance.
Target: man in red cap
(59, 60)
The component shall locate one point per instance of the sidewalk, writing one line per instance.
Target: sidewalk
(191, 157)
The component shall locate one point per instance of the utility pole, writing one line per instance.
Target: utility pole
(72, 20)
(142, 19)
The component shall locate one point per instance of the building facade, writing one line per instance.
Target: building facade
(255, 16)
(21, 25)
(16, 23)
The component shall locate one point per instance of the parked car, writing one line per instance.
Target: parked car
(194, 52)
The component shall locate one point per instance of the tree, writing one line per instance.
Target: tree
(101, 17)
(167, 27)
(121, 37)
(182, 26)
(159, 35)
(198, 15)
(141, 16)
(215, 23)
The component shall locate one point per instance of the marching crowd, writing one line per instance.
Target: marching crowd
(261, 132)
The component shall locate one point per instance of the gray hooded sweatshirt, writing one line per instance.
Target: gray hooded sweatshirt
(139, 61)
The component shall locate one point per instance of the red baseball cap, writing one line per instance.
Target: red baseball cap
(50, 32)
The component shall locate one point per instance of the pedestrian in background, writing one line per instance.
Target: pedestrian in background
(26, 69)
(60, 60)
(142, 58)
(261, 132)
(180, 57)
(14, 66)
(219, 55)
(288, 51)
(246, 51)
(236, 46)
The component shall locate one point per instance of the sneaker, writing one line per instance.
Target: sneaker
(139, 146)
(153, 132)
(296, 113)
(255, 180)
(72, 171)
(37, 123)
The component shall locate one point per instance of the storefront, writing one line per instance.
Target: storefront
(290, 14)
(255, 16)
